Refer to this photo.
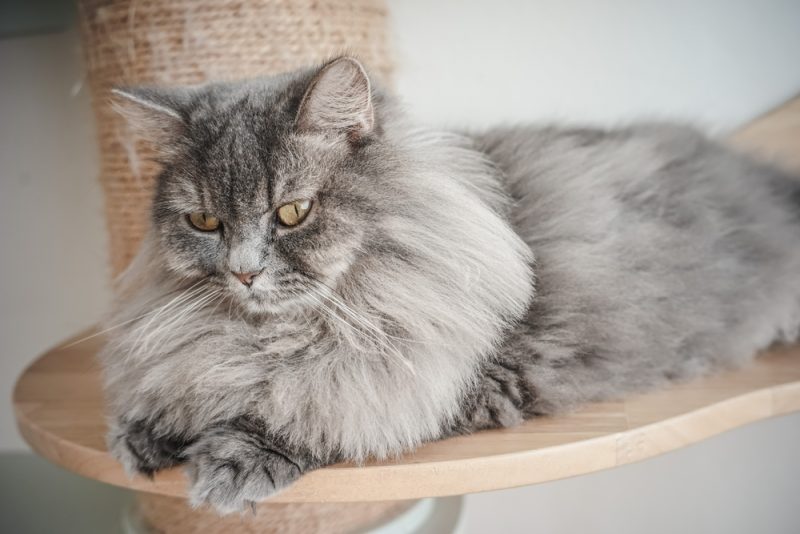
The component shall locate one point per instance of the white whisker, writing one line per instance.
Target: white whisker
(375, 336)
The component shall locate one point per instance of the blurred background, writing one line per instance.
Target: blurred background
(459, 63)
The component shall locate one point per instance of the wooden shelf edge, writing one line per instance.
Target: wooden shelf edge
(454, 477)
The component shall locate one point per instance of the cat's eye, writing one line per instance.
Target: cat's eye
(203, 221)
(293, 213)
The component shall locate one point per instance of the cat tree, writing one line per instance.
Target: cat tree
(58, 400)
(59, 408)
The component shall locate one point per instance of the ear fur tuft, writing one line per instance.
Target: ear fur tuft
(338, 100)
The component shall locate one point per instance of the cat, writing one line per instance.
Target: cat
(324, 281)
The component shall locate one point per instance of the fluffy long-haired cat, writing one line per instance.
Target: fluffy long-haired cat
(325, 282)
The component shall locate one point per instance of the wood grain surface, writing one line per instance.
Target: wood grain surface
(59, 409)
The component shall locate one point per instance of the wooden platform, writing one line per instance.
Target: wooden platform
(59, 410)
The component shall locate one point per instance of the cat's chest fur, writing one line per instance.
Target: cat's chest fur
(331, 390)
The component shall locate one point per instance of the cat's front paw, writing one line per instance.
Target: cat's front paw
(141, 450)
(230, 468)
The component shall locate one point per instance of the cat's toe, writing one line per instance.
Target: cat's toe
(139, 452)
(122, 452)
(230, 473)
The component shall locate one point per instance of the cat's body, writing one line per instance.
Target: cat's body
(660, 255)
(407, 307)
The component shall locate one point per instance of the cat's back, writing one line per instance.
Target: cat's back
(582, 181)
(651, 238)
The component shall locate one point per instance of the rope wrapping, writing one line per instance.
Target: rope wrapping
(184, 42)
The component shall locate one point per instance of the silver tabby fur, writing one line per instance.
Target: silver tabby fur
(441, 283)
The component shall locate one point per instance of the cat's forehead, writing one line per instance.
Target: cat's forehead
(269, 101)
(245, 156)
(234, 118)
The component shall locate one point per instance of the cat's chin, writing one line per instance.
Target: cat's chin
(270, 304)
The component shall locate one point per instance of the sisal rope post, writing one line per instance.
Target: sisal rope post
(169, 515)
(179, 42)
(183, 42)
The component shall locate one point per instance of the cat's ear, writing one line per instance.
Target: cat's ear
(153, 114)
(338, 100)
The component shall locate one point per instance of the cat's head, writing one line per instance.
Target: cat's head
(290, 190)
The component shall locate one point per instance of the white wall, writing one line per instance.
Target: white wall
(52, 237)
(467, 63)
(477, 62)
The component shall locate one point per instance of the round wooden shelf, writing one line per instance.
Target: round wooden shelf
(59, 409)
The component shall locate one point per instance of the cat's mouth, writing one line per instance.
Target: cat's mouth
(287, 292)
(273, 300)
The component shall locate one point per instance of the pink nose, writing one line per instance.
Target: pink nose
(246, 278)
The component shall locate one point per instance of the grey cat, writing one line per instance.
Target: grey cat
(325, 282)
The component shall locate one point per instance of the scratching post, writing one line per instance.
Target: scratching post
(178, 42)
(171, 515)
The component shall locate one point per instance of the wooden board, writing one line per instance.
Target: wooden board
(775, 137)
(59, 409)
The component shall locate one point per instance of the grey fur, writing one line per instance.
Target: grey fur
(403, 309)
